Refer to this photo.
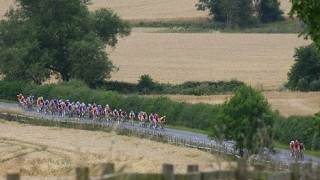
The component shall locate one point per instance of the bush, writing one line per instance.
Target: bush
(315, 85)
(305, 70)
(10, 89)
(247, 119)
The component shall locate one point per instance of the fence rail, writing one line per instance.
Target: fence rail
(297, 171)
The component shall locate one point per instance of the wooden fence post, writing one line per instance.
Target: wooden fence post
(305, 172)
(192, 168)
(259, 167)
(13, 177)
(168, 172)
(318, 172)
(82, 173)
(295, 171)
(242, 169)
(107, 168)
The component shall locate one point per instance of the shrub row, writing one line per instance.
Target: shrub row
(197, 116)
(187, 88)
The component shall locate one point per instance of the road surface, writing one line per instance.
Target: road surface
(281, 155)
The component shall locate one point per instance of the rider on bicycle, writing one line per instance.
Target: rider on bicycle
(302, 147)
(131, 117)
(296, 145)
(291, 147)
(39, 104)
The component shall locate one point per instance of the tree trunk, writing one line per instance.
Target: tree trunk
(228, 21)
(241, 152)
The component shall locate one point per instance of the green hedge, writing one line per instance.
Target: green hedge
(197, 116)
(299, 128)
(187, 88)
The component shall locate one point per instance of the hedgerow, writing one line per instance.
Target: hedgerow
(146, 85)
(198, 116)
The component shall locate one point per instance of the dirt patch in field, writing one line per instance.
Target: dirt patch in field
(54, 151)
(288, 103)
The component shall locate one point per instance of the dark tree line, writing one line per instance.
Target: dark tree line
(242, 12)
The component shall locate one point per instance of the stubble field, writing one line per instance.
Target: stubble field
(261, 60)
(47, 152)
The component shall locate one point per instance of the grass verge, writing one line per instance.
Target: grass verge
(187, 129)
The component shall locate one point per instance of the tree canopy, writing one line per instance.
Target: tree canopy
(247, 119)
(308, 11)
(242, 12)
(61, 37)
(304, 74)
(269, 11)
(232, 12)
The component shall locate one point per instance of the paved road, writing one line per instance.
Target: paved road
(281, 155)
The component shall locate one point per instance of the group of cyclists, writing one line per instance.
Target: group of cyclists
(297, 150)
(92, 111)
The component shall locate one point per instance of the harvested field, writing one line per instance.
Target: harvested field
(262, 60)
(288, 103)
(150, 10)
(54, 151)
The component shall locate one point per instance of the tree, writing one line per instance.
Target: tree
(316, 120)
(269, 11)
(146, 84)
(232, 12)
(304, 74)
(247, 119)
(41, 37)
(308, 11)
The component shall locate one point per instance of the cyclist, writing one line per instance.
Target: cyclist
(122, 115)
(156, 120)
(99, 112)
(107, 111)
(291, 148)
(131, 117)
(115, 115)
(46, 106)
(39, 104)
(296, 145)
(162, 120)
(302, 149)
(21, 100)
(151, 120)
